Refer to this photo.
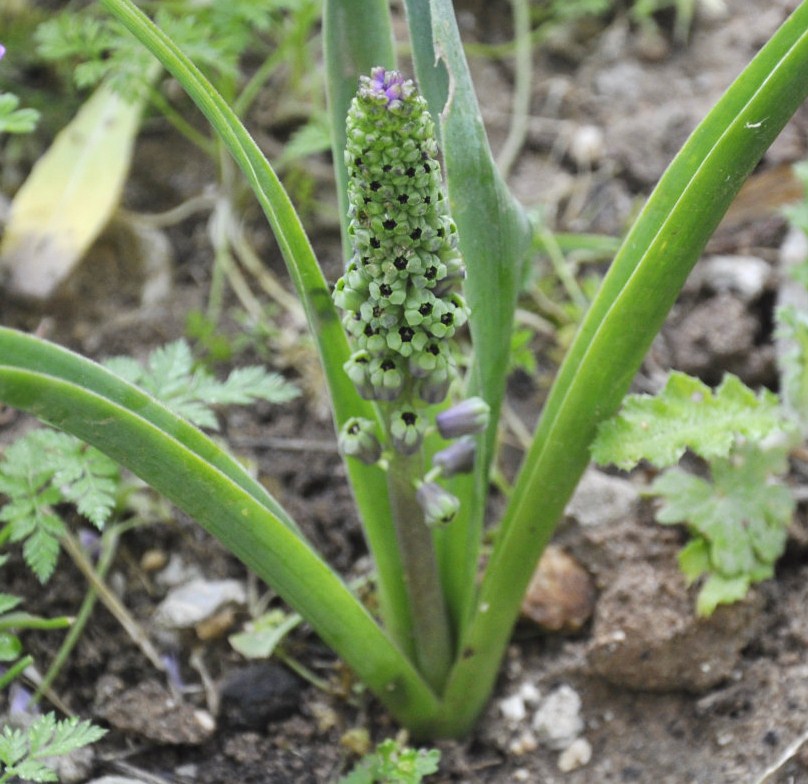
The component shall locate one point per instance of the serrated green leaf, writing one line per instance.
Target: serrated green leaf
(694, 559)
(686, 414)
(14, 119)
(170, 376)
(33, 770)
(8, 602)
(720, 590)
(41, 549)
(13, 746)
(739, 519)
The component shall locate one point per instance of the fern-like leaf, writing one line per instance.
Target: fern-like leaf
(192, 392)
(24, 754)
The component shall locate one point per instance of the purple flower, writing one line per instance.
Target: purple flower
(387, 83)
(2, 51)
(389, 89)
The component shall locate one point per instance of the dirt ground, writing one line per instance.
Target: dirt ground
(645, 691)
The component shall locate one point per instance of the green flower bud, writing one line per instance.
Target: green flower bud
(407, 431)
(357, 368)
(439, 505)
(386, 377)
(434, 387)
(358, 439)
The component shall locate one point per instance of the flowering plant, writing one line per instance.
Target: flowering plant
(384, 337)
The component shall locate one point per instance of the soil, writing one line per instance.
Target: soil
(664, 697)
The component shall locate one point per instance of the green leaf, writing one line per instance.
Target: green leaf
(8, 602)
(24, 753)
(739, 520)
(694, 559)
(392, 763)
(264, 634)
(171, 376)
(10, 647)
(14, 119)
(686, 414)
(720, 590)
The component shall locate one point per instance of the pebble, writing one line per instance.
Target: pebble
(587, 146)
(116, 780)
(558, 720)
(745, 276)
(253, 696)
(602, 500)
(190, 604)
(513, 709)
(575, 756)
(561, 594)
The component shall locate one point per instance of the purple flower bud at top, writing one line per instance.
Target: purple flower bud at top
(389, 84)
(2, 51)
(439, 505)
(457, 458)
(468, 417)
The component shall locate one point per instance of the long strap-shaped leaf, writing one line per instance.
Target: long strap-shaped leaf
(631, 306)
(368, 482)
(82, 398)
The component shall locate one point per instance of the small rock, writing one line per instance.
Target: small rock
(525, 743)
(646, 635)
(253, 696)
(529, 693)
(587, 146)
(513, 709)
(561, 594)
(602, 500)
(190, 604)
(575, 756)
(116, 780)
(745, 276)
(558, 720)
(177, 572)
(151, 711)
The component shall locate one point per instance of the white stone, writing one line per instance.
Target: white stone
(602, 500)
(587, 146)
(575, 756)
(558, 720)
(513, 709)
(746, 276)
(529, 693)
(186, 606)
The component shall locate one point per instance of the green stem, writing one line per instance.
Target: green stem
(430, 619)
(109, 546)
